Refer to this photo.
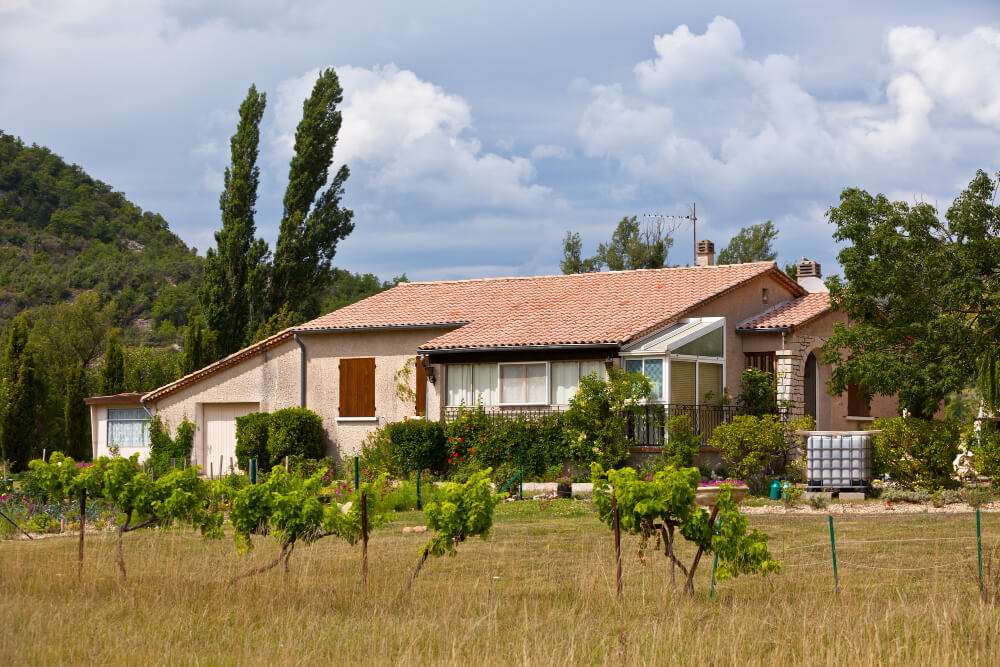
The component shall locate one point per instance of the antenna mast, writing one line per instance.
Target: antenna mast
(693, 217)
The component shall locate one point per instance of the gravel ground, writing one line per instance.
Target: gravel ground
(865, 507)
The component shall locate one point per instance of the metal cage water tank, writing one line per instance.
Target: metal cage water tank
(838, 460)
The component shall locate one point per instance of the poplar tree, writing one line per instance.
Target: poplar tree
(196, 354)
(311, 225)
(112, 372)
(17, 413)
(225, 295)
(76, 415)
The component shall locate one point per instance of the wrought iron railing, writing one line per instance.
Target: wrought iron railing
(505, 412)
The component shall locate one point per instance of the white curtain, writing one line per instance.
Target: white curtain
(128, 427)
(484, 384)
(459, 384)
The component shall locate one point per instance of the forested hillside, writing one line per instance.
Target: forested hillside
(63, 233)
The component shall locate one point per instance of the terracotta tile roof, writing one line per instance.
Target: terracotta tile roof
(790, 314)
(581, 309)
(127, 398)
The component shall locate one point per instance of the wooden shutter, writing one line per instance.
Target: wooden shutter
(764, 361)
(421, 379)
(856, 405)
(357, 387)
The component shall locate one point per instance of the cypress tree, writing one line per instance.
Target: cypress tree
(17, 414)
(77, 416)
(195, 346)
(224, 292)
(311, 226)
(112, 372)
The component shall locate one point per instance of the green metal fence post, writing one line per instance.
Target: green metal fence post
(715, 564)
(520, 476)
(420, 504)
(253, 470)
(357, 477)
(833, 549)
(979, 549)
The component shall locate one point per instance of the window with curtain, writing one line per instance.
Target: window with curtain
(128, 427)
(566, 377)
(709, 381)
(471, 385)
(522, 384)
(653, 370)
(682, 382)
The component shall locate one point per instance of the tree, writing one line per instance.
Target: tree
(311, 226)
(751, 244)
(631, 247)
(596, 425)
(18, 429)
(922, 295)
(196, 345)
(76, 415)
(224, 291)
(112, 373)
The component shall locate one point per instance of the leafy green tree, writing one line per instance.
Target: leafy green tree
(596, 425)
(347, 288)
(111, 377)
(147, 367)
(196, 345)
(573, 261)
(751, 244)
(631, 247)
(683, 444)
(311, 225)
(77, 415)
(922, 296)
(758, 392)
(18, 429)
(224, 291)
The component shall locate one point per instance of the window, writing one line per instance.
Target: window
(566, 378)
(652, 369)
(357, 387)
(709, 383)
(709, 345)
(128, 427)
(523, 384)
(471, 384)
(683, 379)
(763, 361)
(857, 406)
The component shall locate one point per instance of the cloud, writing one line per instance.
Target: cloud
(410, 137)
(549, 152)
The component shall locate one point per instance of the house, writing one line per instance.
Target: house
(515, 345)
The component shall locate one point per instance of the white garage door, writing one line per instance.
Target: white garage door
(220, 432)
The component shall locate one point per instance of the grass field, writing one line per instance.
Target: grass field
(540, 592)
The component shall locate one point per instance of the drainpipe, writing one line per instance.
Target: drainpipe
(142, 402)
(302, 370)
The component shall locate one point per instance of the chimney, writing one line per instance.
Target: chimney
(704, 253)
(810, 276)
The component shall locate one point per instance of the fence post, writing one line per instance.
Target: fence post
(356, 475)
(173, 463)
(211, 474)
(833, 549)
(253, 470)
(520, 480)
(286, 464)
(979, 550)
(618, 543)
(364, 538)
(715, 564)
(420, 504)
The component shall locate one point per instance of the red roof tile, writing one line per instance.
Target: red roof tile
(581, 309)
(790, 314)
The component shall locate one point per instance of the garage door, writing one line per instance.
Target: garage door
(220, 432)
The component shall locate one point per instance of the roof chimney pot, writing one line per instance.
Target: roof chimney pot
(810, 276)
(704, 253)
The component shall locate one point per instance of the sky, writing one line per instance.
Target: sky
(478, 133)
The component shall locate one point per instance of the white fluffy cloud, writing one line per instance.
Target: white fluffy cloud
(408, 136)
(706, 119)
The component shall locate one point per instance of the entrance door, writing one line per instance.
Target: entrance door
(220, 433)
(809, 386)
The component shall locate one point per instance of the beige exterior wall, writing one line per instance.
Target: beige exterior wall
(272, 380)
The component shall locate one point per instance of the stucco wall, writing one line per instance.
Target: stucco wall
(272, 379)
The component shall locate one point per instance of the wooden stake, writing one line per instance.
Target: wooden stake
(618, 544)
(83, 522)
(364, 539)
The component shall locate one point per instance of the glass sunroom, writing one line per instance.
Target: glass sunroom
(685, 364)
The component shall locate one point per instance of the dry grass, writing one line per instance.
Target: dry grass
(540, 592)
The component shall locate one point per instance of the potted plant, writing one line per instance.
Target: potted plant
(564, 487)
(709, 491)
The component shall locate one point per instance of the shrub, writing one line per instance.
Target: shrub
(376, 452)
(985, 448)
(817, 502)
(682, 443)
(486, 441)
(905, 496)
(251, 440)
(595, 426)
(758, 392)
(752, 445)
(295, 432)
(978, 496)
(916, 452)
(416, 444)
(163, 448)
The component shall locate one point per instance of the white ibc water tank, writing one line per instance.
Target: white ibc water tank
(838, 459)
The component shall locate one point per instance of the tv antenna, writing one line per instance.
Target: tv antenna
(693, 217)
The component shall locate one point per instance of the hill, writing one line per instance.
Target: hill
(63, 232)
